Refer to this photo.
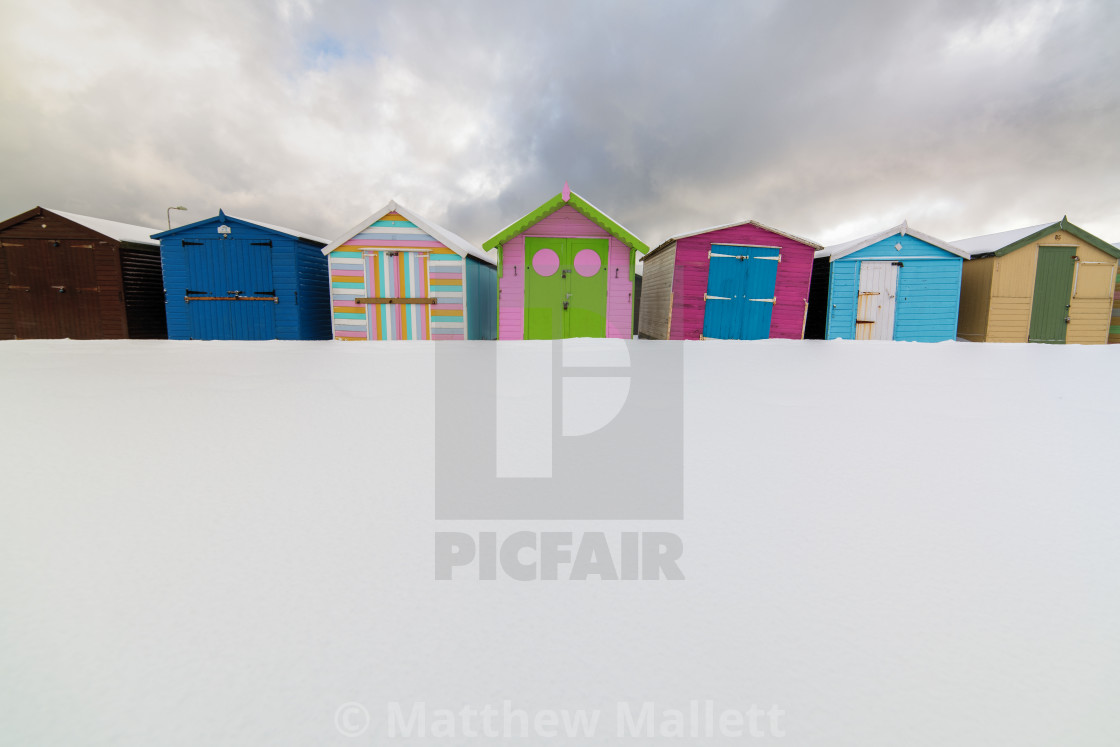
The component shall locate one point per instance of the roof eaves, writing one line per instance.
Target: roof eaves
(611, 226)
(1085, 236)
(547, 208)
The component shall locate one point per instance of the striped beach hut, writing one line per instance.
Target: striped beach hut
(398, 276)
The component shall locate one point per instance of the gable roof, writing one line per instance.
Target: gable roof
(836, 251)
(1004, 242)
(222, 217)
(451, 240)
(110, 229)
(665, 244)
(585, 208)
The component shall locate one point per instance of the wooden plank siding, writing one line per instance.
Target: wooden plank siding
(7, 323)
(566, 222)
(68, 280)
(928, 294)
(1090, 309)
(690, 281)
(142, 279)
(657, 294)
(1113, 330)
(976, 298)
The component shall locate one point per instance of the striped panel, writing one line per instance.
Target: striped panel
(392, 234)
(387, 244)
(347, 279)
(398, 275)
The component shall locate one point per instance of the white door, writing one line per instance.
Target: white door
(878, 284)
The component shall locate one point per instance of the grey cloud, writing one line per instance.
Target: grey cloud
(819, 117)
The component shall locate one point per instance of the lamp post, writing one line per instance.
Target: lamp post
(177, 207)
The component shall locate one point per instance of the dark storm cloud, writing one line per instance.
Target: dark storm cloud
(828, 119)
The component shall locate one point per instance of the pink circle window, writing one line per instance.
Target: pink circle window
(587, 262)
(546, 262)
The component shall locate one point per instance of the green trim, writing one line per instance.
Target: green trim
(1062, 225)
(585, 208)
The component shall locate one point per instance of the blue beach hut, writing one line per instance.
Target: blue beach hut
(227, 278)
(898, 284)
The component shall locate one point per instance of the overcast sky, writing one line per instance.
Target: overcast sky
(826, 119)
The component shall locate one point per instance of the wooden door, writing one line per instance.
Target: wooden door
(231, 294)
(878, 286)
(1053, 281)
(547, 263)
(394, 278)
(586, 293)
(741, 292)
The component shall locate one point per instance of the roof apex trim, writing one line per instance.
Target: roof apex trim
(1062, 225)
(836, 251)
(581, 205)
(450, 239)
(664, 244)
(225, 219)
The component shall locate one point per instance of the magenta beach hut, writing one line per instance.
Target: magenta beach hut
(740, 281)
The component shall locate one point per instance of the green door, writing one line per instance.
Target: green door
(587, 310)
(1053, 283)
(565, 288)
(544, 288)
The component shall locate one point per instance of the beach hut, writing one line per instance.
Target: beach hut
(565, 269)
(898, 284)
(69, 275)
(228, 278)
(740, 281)
(398, 276)
(1053, 283)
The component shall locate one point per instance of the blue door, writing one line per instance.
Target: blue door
(230, 291)
(741, 292)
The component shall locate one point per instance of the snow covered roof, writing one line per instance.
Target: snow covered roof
(451, 240)
(281, 229)
(223, 216)
(113, 229)
(836, 251)
(994, 241)
(764, 227)
(1004, 242)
